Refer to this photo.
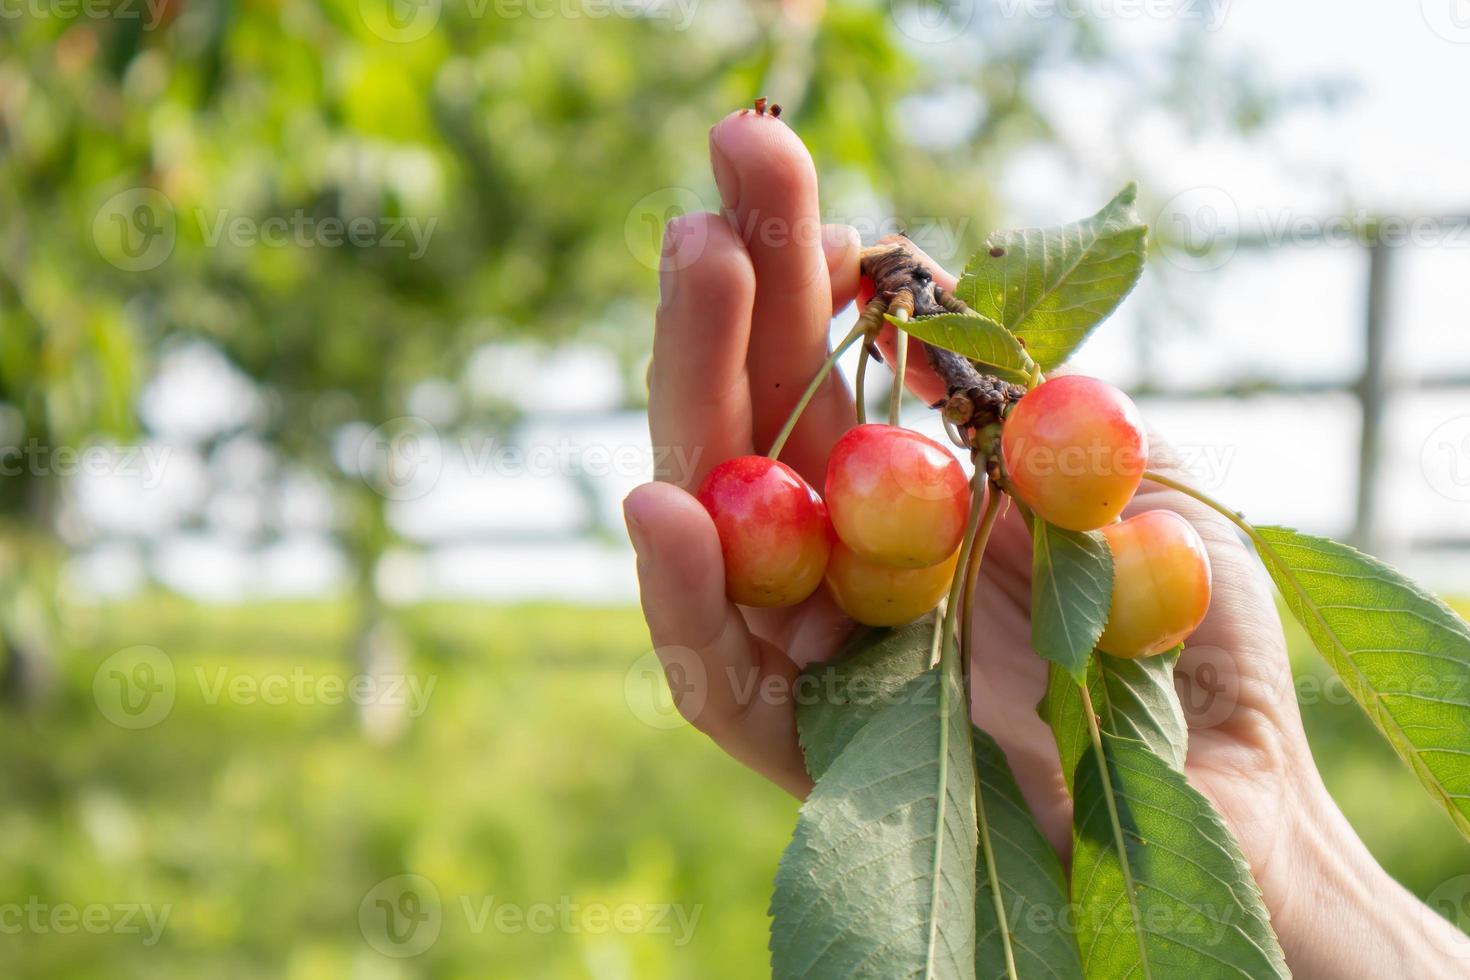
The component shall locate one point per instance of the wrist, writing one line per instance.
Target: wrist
(1339, 914)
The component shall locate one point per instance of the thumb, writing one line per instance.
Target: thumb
(720, 675)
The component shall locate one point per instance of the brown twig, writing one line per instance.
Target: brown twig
(973, 399)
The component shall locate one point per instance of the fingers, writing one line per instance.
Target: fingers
(843, 249)
(721, 677)
(698, 393)
(768, 187)
(919, 377)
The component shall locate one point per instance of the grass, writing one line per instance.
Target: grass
(564, 835)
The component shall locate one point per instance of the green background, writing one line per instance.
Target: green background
(532, 779)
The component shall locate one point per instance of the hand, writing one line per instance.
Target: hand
(747, 297)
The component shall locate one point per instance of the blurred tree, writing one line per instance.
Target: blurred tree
(191, 171)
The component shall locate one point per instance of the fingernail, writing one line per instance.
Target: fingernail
(727, 178)
(636, 531)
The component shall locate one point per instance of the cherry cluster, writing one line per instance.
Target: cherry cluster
(886, 533)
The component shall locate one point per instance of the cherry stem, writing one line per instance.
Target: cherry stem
(900, 365)
(858, 383)
(811, 389)
(969, 571)
(1234, 516)
(1130, 889)
(972, 574)
(952, 602)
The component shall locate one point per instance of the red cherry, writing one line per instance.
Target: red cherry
(896, 497)
(773, 530)
(881, 595)
(1161, 584)
(1075, 450)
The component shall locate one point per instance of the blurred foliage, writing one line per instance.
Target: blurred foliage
(527, 781)
(515, 164)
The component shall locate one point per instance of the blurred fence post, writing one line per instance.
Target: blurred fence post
(1372, 391)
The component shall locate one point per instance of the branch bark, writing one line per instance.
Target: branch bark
(973, 398)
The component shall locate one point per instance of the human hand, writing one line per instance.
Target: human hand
(742, 326)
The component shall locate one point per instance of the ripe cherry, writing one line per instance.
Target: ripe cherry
(1075, 450)
(773, 530)
(881, 595)
(1161, 584)
(896, 497)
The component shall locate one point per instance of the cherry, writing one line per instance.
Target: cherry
(1161, 584)
(773, 530)
(881, 595)
(896, 497)
(1075, 449)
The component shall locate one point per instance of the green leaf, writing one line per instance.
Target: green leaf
(1030, 920)
(1062, 710)
(879, 879)
(976, 337)
(1402, 653)
(1133, 699)
(1162, 890)
(837, 698)
(1051, 286)
(1071, 587)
